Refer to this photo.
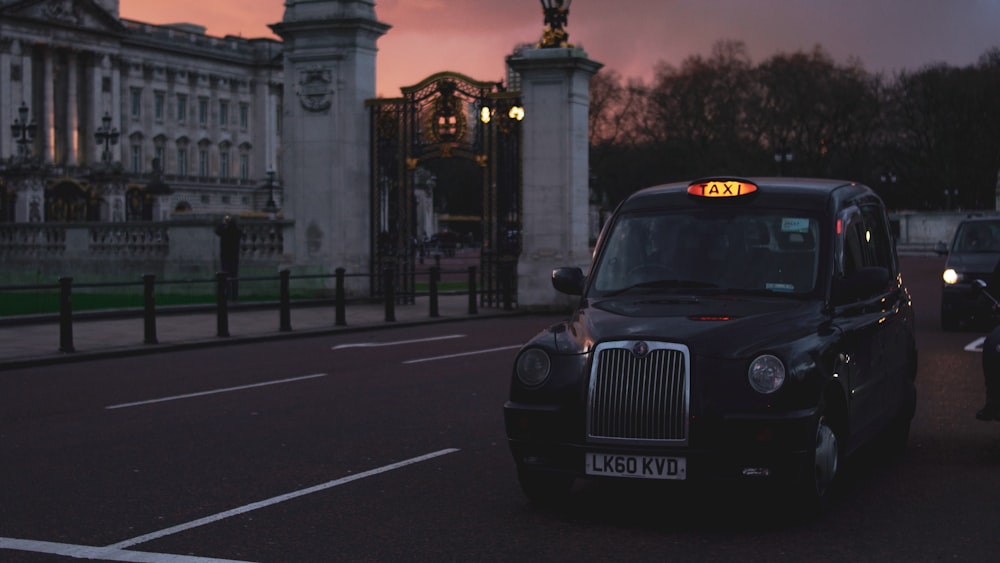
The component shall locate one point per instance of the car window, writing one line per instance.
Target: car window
(977, 236)
(730, 249)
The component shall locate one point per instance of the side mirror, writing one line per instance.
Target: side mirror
(862, 284)
(568, 280)
(941, 248)
(978, 286)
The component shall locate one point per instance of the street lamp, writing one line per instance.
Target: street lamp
(556, 13)
(107, 135)
(271, 207)
(23, 132)
(781, 156)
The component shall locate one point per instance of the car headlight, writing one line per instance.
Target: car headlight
(532, 367)
(766, 374)
(950, 276)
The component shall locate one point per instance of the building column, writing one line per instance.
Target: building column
(7, 109)
(72, 110)
(46, 125)
(555, 91)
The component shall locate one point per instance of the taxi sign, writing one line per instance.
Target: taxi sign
(721, 188)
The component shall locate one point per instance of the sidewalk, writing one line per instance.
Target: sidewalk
(32, 344)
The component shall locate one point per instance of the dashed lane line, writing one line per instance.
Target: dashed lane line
(120, 551)
(279, 499)
(459, 355)
(396, 342)
(102, 553)
(215, 391)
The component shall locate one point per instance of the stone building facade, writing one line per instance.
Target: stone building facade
(105, 119)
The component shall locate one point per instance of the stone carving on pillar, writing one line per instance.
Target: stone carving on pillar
(314, 90)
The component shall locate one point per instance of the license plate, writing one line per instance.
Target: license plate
(636, 466)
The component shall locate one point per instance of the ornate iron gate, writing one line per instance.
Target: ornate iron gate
(446, 116)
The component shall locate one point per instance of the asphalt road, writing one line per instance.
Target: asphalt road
(389, 446)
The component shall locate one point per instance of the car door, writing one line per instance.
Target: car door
(867, 326)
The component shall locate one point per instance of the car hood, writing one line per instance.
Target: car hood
(722, 326)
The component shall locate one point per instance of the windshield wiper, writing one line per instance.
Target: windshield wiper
(672, 284)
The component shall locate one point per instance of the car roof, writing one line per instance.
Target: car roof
(814, 193)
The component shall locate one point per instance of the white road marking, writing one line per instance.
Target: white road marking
(215, 391)
(976, 345)
(278, 499)
(396, 343)
(102, 553)
(472, 353)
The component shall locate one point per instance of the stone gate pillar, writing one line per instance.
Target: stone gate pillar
(555, 213)
(329, 73)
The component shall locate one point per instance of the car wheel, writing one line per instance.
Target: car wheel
(544, 487)
(821, 472)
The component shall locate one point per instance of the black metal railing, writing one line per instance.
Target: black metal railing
(222, 304)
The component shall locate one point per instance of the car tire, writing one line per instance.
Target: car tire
(544, 487)
(812, 490)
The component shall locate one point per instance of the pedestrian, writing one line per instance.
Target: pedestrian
(230, 235)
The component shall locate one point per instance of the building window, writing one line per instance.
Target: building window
(182, 108)
(105, 84)
(244, 167)
(225, 199)
(277, 119)
(136, 102)
(136, 159)
(244, 116)
(203, 111)
(182, 162)
(223, 113)
(159, 101)
(160, 161)
(224, 164)
(15, 72)
(206, 199)
(203, 163)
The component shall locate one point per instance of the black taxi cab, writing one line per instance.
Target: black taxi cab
(729, 329)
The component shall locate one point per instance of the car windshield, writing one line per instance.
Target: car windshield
(714, 250)
(978, 236)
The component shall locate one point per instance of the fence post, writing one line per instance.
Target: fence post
(66, 315)
(221, 305)
(149, 308)
(339, 295)
(507, 283)
(435, 276)
(285, 316)
(473, 307)
(390, 296)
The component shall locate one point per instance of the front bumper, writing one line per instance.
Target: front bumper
(734, 447)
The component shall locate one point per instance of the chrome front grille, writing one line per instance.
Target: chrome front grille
(639, 393)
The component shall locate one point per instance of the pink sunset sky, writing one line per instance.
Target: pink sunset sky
(630, 37)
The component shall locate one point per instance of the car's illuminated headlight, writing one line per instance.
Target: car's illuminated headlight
(532, 367)
(950, 276)
(766, 374)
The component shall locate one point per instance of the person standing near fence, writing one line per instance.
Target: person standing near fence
(230, 234)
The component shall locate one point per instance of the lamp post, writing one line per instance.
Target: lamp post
(556, 14)
(107, 135)
(23, 132)
(271, 207)
(782, 156)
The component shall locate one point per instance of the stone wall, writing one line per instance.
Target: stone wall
(41, 253)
